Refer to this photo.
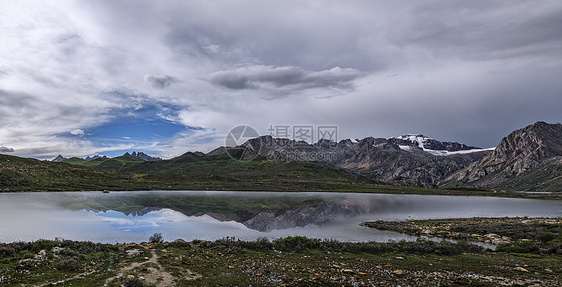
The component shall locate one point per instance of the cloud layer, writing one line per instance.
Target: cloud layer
(103, 77)
(284, 81)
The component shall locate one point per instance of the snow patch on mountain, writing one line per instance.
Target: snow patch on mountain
(435, 147)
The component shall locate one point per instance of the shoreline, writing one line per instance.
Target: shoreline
(394, 190)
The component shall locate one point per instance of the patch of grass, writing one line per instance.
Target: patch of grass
(518, 235)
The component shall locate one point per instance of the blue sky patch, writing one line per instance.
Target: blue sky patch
(143, 122)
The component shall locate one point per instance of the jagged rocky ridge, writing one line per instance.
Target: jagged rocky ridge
(138, 155)
(527, 159)
(142, 155)
(90, 158)
(408, 160)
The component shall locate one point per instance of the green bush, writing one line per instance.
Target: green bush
(156, 238)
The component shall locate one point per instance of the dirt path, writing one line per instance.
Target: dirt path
(156, 275)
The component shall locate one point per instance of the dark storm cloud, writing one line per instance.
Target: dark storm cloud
(480, 29)
(6, 149)
(284, 79)
(306, 34)
(159, 82)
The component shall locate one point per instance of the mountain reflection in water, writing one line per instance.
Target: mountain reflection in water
(134, 216)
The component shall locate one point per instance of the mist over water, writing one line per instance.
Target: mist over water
(33, 216)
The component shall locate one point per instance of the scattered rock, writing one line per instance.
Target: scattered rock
(42, 255)
(133, 253)
(29, 262)
(57, 249)
(520, 269)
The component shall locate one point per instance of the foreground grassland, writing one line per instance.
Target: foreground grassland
(535, 260)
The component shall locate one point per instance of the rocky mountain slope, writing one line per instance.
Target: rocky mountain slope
(407, 160)
(526, 159)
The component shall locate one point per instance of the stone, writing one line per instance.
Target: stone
(132, 253)
(518, 268)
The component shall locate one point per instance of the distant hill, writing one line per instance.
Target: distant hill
(25, 174)
(222, 170)
(106, 163)
(526, 159)
(191, 171)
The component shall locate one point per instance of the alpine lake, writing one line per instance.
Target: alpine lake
(132, 217)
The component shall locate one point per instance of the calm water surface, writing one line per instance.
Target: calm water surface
(98, 217)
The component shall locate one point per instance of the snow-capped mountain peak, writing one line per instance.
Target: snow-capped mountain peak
(432, 146)
(418, 139)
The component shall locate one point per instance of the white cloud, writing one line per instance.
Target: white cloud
(77, 132)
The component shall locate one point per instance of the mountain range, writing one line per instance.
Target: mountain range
(413, 160)
(529, 159)
(139, 155)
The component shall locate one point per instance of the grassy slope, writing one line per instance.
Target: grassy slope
(196, 171)
(200, 167)
(116, 163)
(25, 174)
(200, 173)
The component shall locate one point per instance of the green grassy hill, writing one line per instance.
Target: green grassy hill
(116, 163)
(25, 174)
(191, 171)
(222, 172)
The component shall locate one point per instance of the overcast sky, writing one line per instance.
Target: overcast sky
(80, 78)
